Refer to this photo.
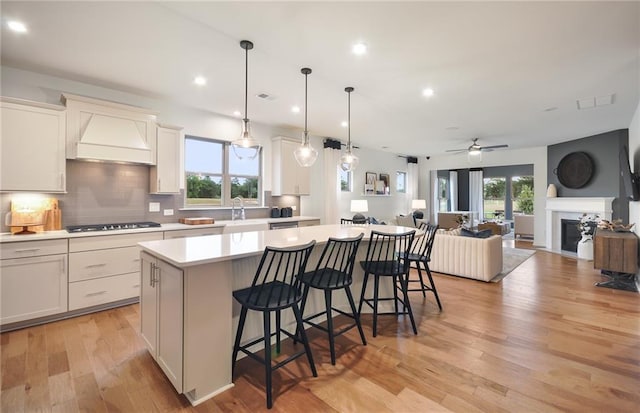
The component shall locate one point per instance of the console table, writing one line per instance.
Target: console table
(616, 254)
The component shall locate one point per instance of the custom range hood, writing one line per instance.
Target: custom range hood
(108, 131)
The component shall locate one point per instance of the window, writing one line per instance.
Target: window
(401, 182)
(494, 197)
(345, 180)
(215, 176)
(522, 194)
(443, 191)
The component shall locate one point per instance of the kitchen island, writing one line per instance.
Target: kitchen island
(188, 316)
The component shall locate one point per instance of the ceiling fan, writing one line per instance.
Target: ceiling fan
(476, 148)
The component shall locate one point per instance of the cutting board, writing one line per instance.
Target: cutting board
(43, 210)
(197, 221)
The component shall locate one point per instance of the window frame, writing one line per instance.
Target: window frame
(349, 180)
(404, 187)
(225, 194)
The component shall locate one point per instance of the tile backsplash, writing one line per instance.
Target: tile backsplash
(100, 192)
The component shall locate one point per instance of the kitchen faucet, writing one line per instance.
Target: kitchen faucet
(239, 214)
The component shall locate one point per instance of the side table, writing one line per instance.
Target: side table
(616, 254)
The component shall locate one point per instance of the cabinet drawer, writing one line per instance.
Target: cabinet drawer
(111, 241)
(32, 248)
(86, 265)
(103, 290)
(192, 232)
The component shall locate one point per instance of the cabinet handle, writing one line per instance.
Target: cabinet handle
(95, 265)
(63, 264)
(151, 274)
(156, 278)
(159, 185)
(28, 250)
(96, 293)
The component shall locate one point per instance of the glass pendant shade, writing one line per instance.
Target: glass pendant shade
(348, 161)
(305, 154)
(246, 146)
(474, 156)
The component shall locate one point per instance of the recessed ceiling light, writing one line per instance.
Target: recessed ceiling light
(344, 124)
(428, 92)
(295, 109)
(237, 113)
(384, 147)
(359, 49)
(17, 26)
(452, 128)
(551, 109)
(200, 80)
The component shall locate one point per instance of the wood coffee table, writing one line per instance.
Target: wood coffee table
(495, 227)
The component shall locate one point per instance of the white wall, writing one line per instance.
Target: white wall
(536, 156)
(43, 88)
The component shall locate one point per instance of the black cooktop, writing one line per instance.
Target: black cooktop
(111, 227)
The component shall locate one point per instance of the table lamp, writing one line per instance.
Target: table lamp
(417, 204)
(358, 206)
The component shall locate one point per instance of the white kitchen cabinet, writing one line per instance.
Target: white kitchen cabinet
(164, 177)
(289, 178)
(162, 304)
(105, 269)
(308, 223)
(33, 286)
(32, 146)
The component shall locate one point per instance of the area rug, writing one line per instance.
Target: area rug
(512, 258)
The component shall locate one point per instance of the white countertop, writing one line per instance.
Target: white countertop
(62, 234)
(186, 252)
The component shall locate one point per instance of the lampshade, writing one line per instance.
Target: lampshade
(418, 204)
(349, 161)
(305, 154)
(359, 205)
(246, 147)
(474, 155)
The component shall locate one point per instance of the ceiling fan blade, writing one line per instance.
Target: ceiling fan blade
(456, 150)
(484, 148)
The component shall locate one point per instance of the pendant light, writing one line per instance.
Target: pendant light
(246, 147)
(348, 161)
(305, 154)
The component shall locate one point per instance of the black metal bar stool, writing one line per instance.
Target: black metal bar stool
(275, 287)
(421, 254)
(387, 257)
(333, 272)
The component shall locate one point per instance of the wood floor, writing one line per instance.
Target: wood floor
(543, 340)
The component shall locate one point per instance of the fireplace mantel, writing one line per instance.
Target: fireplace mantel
(572, 208)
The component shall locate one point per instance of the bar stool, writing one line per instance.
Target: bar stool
(387, 257)
(421, 254)
(275, 287)
(333, 272)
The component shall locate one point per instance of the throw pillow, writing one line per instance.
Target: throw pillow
(473, 234)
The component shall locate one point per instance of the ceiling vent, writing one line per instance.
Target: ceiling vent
(596, 101)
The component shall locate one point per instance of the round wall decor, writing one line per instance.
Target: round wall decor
(575, 170)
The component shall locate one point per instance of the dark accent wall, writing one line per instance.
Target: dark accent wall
(463, 189)
(604, 150)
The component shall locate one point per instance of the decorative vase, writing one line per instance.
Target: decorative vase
(552, 192)
(585, 249)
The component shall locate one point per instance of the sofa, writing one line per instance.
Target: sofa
(476, 258)
(523, 226)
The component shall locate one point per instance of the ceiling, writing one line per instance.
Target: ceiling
(507, 73)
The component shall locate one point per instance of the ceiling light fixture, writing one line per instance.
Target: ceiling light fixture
(17, 26)
(474, 154)
(246, 147)
(428, 92)
(348, 161)
(295, 109)
(237, 113)
(359, 49)
(344, 124)
(305, 154)
(200, 80)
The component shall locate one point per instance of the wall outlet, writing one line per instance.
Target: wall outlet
(168, 212)
(154, 206)
(293, 207)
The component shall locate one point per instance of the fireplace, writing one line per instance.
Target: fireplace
(569, 235)
(572, 209)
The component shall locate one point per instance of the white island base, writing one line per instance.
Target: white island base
(188, 315)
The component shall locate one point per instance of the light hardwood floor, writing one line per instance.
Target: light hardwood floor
(543, 340)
